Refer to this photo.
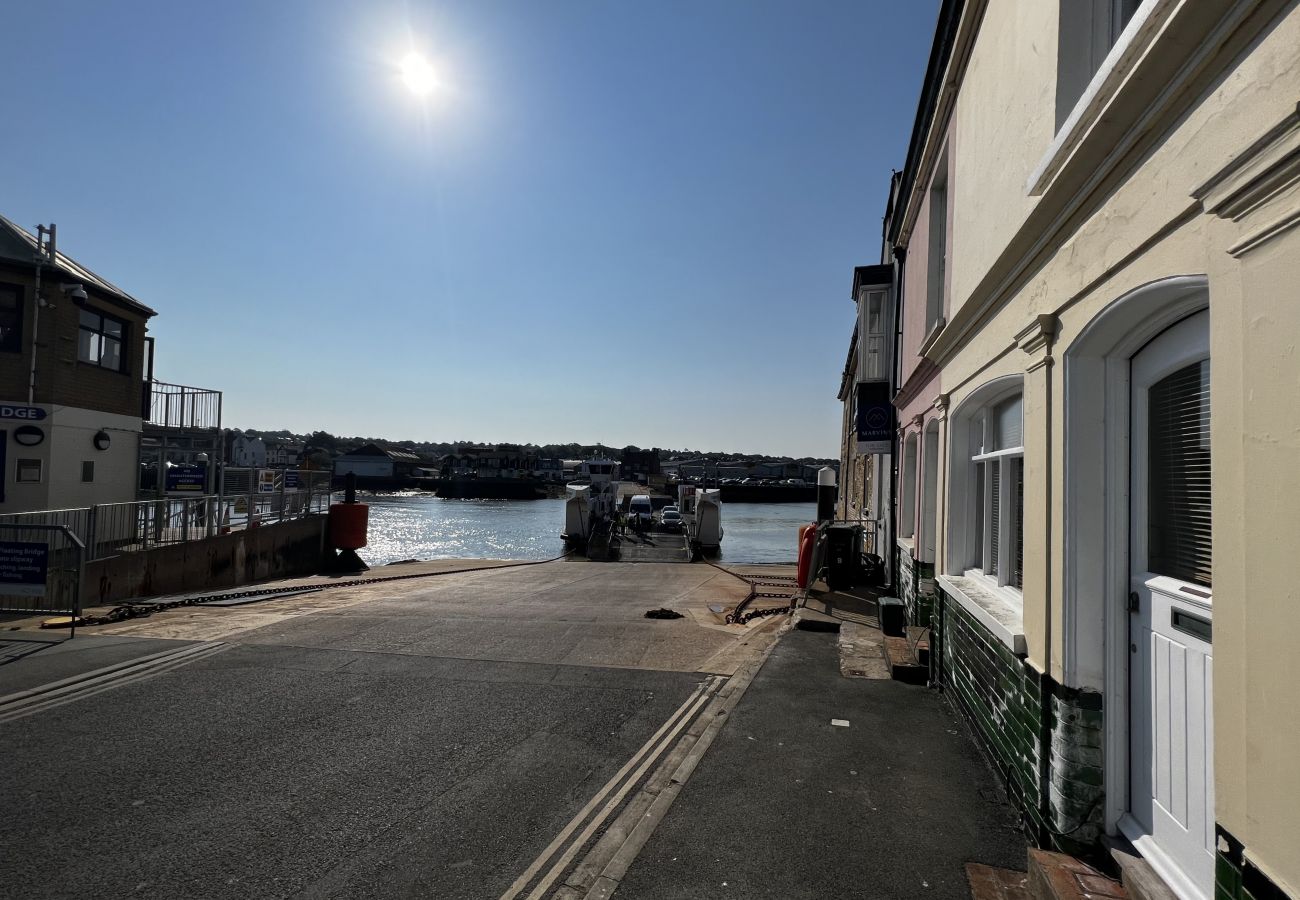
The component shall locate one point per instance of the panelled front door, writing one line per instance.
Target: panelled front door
(1171, 755)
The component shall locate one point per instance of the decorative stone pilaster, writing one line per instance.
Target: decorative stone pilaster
(1037, 339)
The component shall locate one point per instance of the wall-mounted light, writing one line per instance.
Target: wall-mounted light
(28, 435)
(102, 440)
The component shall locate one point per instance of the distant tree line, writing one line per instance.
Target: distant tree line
(319, 443)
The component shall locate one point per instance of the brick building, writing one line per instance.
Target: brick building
(72, 379)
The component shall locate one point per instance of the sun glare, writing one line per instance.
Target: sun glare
(418, 74)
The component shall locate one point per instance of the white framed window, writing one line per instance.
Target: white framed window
(907, 489)
(937, 248)
(1087, 31)
(997, 493)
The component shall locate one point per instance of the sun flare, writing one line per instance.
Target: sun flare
(418, 74)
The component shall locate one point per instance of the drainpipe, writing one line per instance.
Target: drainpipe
(900, 273)
(41, 255)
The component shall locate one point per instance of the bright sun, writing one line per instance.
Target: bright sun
(418, 74)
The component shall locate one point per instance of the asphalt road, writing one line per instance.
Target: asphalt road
(423, 738)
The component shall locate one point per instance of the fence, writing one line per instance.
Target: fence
(249, 498)
(41, 569)
(181, 406)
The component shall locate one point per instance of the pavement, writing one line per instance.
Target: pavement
(480, 734)
(788, 804)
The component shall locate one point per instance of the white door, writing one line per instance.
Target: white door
(1171, 760)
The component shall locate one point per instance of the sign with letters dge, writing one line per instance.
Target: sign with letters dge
(24, 566)
(20, 413)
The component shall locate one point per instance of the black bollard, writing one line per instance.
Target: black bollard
(826, 494)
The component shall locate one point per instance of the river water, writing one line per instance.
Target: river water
(421, 526)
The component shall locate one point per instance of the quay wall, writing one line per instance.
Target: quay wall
(283, 550)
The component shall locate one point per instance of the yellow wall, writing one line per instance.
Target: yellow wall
(1146, 227)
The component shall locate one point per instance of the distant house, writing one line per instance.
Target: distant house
(373, 461)
(246, 451)
(550, 469)
(283, 453)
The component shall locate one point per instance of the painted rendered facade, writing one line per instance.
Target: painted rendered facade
(1092, 234)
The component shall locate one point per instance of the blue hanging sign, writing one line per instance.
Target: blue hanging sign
(874, 421)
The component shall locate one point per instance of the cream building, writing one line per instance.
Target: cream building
(1103, 198)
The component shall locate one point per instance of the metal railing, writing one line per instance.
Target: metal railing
(180, 406)
(110, 529)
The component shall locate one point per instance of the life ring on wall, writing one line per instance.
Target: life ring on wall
(807, 539)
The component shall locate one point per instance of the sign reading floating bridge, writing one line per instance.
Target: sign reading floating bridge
(24, 566)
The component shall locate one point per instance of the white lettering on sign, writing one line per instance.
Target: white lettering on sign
(29, 413)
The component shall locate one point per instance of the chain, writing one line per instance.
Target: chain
(144, 610)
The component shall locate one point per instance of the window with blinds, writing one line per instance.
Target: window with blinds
(995, 518)
(1178, 466)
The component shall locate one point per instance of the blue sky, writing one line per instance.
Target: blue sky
(625, 222)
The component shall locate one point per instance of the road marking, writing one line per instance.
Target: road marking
(598, 875)
(641, 760)
(841, 723)
(79, 687)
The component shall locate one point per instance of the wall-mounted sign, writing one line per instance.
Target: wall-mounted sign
(292, 480)
(14, 411)
(28, 435)
(266, 481)
(188, 479)
(874, 422)
(24, 566)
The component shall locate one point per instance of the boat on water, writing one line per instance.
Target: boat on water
(593, 522)
(591, 510)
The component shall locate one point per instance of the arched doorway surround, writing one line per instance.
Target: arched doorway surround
(1095, 617)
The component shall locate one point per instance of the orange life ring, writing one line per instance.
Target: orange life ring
(807, 538)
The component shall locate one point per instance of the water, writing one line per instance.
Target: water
(421, 526)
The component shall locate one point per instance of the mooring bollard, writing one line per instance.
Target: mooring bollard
(348, 524)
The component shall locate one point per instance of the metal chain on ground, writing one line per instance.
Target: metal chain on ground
(741, 615)
(144, 610)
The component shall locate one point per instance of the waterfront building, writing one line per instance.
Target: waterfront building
(72, 367)
(491, 461)
(1095, 246)
(370, 461)
(283, 454)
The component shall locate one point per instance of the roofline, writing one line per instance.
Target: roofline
(62, 265)
(940, 52)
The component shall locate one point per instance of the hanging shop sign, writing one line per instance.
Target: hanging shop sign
(23, 413)
(874, 419)
(24, 568)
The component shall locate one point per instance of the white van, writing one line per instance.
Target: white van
(640, 511)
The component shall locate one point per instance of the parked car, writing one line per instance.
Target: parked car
(670, 520)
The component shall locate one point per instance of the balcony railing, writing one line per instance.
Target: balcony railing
(179, 406)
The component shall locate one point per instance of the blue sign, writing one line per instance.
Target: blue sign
(292, 480)
(874, 421)
(24, 566)
(21, 413)
(190, 479)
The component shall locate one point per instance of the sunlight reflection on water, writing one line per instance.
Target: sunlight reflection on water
(421, 526)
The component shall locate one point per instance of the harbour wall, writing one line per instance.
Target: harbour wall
(283, 550)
